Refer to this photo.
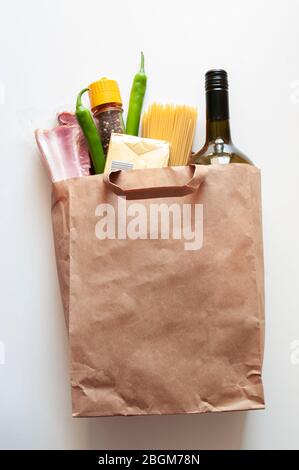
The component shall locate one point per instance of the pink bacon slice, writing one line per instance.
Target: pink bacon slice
(67, 119)
(64, 149)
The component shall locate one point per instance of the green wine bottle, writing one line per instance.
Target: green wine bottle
(218, 148)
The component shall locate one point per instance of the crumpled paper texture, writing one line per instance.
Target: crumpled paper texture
(155, 329)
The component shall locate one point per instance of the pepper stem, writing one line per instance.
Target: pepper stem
(142, 63)
(79, 97)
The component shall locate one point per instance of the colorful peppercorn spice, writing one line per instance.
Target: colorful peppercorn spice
(106, 106)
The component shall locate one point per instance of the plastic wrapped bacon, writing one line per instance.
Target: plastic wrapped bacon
(64, 149)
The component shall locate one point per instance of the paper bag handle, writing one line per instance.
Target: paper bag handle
(198, 173)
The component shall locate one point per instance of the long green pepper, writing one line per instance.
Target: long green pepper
(90, 132)
(136, 100)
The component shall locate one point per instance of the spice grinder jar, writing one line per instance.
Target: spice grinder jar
(106, 106)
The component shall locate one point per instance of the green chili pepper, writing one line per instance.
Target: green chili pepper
(90, 132)
(136, 100)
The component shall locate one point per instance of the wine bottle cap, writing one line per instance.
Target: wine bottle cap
(216, 80)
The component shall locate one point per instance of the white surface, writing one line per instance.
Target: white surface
(51, 49)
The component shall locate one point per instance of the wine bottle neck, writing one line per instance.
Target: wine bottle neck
(217, 107)
(218, 130)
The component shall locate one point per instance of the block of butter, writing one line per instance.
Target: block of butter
(127, 152)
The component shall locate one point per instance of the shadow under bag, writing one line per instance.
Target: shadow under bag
(161, 276)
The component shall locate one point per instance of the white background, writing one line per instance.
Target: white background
(50, 49)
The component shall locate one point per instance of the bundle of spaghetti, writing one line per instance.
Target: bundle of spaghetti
(173, 123)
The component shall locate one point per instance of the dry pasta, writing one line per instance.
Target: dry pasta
(176, 124)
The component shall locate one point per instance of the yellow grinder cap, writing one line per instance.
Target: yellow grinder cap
(104, 91)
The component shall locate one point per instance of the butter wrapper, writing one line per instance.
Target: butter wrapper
(127, 152)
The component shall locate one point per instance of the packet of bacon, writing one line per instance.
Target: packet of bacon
(64, 150)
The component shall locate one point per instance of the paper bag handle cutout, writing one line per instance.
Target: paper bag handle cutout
(177, 174)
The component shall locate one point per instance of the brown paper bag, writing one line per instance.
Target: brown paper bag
(159, 322)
